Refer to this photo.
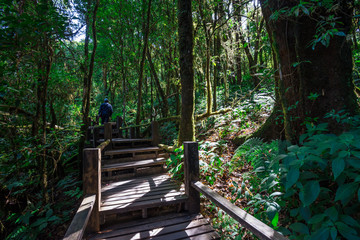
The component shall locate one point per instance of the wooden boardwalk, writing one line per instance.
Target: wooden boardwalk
(129, 195)
(139, 200)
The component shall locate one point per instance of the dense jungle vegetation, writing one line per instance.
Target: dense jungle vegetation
(269, 88)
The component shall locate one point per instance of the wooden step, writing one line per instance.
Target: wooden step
(132, 150)
(170, 226)
(133, 164)
(140, 194)
(129, 140)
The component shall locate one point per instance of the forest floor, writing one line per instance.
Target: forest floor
(222, 177)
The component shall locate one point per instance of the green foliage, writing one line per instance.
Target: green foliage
(212, 165)
(175, 164)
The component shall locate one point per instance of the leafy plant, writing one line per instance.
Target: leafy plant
(175, 164)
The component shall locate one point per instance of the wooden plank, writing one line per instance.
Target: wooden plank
(140, 188)
(136, 181)
(209, 235)
(132, 150)
(128, 140)
(260, 229)
(104, 144)
(164, 231)
(155, 135)
(191, 173)
(148, 224)
(78, 224)
(189, 233)
(133, 184)
(142, 156)
(141, 192)
(134, 164)
(145, 204)
(92, 182)
(139, 222)
(141, 198)
(108, 131)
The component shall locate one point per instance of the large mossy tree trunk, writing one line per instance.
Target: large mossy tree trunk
(187, 126)
(312, 80)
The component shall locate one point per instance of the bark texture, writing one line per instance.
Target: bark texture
(305, 71)
(187, 126)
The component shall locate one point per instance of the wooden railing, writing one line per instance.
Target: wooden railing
(116, 129)
(88, 214)
(193, 188)
(78, 225)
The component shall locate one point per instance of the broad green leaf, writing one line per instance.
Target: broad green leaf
(305, 213)
(317, 218)
(343, 154)
(332, 213)
(338, 166)
(271, 211)
(275, 220)
(333, 233)
(309, 193)
(356, 154)
(345, 192)
(354, 162)
(292, 177)
(300, 228)
(321, 234)
(350, 221)
(346, 231)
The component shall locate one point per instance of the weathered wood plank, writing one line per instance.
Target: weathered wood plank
(136, 181)
(92, 182)
(104, 144)
(78, 224)
(132, 183)
(132, 150)
(260, 229)
(134, 164)
(191, 173)
(155, 135)
(128, 140)
(175, 221)
(145, 204)
(141, 198)
(139, 195)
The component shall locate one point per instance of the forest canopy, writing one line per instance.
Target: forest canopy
(276, 80)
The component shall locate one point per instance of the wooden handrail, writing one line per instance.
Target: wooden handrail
(260, 229)
(193, 188)
(78, 224)
(104, 144)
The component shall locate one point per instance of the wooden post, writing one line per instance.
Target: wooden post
(108, 131)
(88, 134)
(155, 133)
(119, 122)
(92, 183)
(132, 132)
(191, 173)
(96, 132)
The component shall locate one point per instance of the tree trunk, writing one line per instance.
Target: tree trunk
(142, 62)
(88, 68)
(321, 72)
(187, 126)
(165, 107)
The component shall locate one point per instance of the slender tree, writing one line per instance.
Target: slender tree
(187, 126)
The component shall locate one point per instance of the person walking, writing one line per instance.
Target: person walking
(105, 111)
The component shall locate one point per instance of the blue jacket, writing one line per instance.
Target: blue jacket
(105, 110)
